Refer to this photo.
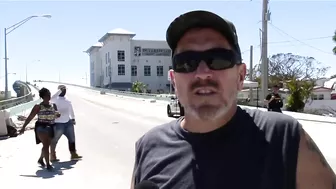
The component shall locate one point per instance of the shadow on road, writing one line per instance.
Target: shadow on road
(4, 137)
(59, 167)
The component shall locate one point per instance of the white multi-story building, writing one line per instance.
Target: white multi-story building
(118, 60)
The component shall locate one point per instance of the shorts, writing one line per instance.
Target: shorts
(44, 129)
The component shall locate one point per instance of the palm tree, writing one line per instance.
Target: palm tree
(334, 39)
(300, 92)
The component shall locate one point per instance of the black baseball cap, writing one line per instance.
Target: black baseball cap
(202, 19)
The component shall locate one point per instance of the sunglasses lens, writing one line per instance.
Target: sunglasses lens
(185, 66)
(216, 59)
(220, 64)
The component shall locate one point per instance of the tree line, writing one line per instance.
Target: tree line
(296, 73)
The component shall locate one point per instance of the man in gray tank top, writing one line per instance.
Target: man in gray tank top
(217, 144)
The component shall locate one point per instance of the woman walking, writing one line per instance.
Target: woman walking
(46, 114)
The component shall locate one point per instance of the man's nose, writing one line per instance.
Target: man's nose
(203, 71)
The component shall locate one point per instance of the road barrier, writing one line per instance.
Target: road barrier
(5, 104)
(26, 103)
(19, 109)
(116, 92)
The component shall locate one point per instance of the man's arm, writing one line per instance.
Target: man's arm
(281, 103)
(313, 171)
(72, 113)
(268, 97)
(54, 96)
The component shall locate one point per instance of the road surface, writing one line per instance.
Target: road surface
(107, 128)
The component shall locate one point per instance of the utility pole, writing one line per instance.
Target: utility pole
(86, 77)
(251, 72)
(264, 53)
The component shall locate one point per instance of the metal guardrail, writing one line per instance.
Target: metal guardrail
(19, 109)
(5, 104)
(164, 97)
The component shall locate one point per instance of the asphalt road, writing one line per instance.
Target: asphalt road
(107, 128)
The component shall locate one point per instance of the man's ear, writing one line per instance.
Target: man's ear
(173, 82)
(241, 76)
(172, 78)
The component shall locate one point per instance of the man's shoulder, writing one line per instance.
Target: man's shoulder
(67, 100)
(157, 134)
(269, 120)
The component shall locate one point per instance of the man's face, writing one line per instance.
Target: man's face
(275, 90)
(207, 94)
(63, 92)
(63, 89)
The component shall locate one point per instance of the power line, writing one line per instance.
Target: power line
(299, 40)
(309, 39)
(289, 41)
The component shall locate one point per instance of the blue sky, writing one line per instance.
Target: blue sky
(59, 42)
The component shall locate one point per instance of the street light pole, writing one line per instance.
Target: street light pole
(6, 78)
(26, 72)
(6, 32)
(85, 78)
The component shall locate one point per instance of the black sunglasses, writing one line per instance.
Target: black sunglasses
(216, 59)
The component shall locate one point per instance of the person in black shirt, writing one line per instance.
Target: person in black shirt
(217, 144)
(274, 101)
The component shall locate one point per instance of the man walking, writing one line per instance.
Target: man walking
(64, 125)
(217, 144)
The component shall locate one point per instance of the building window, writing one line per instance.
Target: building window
(106, 72)
(121, 69)
(121, 56)
(134, 71)
(137, 51)
(159, 70)
(321, 97)
(147, 71)
(317, 97)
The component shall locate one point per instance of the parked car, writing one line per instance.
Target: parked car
(174, 107)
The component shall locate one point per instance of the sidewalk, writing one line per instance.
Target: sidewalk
(19, 168)
(11, 147)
